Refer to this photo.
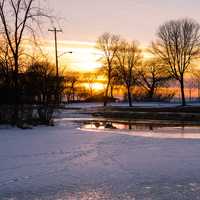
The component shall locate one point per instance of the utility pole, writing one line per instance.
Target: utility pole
(55, 30)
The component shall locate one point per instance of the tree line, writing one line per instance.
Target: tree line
(173, 54)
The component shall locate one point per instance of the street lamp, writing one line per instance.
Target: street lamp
(62, 54)
(55, 31)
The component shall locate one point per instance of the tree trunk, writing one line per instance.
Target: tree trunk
(151, 93)
(108, 85)
(111, 91)
(182, 91)
(129, 96)
(91, 91)
(73, 92)
(106, 95)
(73, 95)
(16, 93)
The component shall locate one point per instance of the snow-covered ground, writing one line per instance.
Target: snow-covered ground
(66, 163)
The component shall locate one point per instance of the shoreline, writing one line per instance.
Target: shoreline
(179, 114)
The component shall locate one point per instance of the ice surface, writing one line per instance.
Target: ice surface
(66, 163)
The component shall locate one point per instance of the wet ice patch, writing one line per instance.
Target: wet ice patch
(153, 130)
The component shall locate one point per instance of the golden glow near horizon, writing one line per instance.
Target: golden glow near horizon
(84, 56)
(95, 86)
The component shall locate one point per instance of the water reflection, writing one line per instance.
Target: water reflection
(103, 125)
(157, 130)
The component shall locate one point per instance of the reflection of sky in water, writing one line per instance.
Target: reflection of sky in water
(146, 130)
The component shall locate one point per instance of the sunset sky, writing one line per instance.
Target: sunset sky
(84, 20)
(84, 57)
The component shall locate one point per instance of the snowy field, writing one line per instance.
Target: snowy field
(66, 163)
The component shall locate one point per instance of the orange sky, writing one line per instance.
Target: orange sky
(84, 56)
(86, 20)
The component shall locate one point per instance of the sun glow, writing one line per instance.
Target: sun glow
(79, 56)
(84, 57)
(95, 86)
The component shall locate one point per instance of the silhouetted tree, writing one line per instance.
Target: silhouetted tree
(43, 85)
(108, 44)
(178, 44)
(17, 18)
(128, 57)
(151, 75)
(5, 75)
(71, 82)
(196, 78)
(90, 78)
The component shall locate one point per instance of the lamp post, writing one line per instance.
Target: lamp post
(55, 31)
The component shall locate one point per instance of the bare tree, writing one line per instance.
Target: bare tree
(5, 64)
(108, 44)
(151, 75)
(128, 57)
(41, 83)
(90, 78)
(196, 78)
(71, 81)
(178, 45)
(17, 18)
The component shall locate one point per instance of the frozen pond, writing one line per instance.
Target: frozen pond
(65, 162)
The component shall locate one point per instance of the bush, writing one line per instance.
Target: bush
(45, 114)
